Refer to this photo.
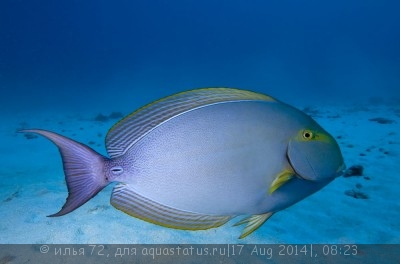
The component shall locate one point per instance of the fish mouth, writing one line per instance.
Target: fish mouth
(340, 171)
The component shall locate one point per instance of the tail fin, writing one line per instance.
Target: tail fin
(83, 169)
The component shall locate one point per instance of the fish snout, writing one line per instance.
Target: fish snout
(340, 171)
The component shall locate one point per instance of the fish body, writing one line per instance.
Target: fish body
(197, 159)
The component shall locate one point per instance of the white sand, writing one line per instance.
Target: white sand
(32, 186)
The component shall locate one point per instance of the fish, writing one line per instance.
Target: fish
(199, 158)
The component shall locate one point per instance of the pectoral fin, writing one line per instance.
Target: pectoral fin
(252, 223)
(280, 180)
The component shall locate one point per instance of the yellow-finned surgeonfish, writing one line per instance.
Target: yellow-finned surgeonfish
(197, 159)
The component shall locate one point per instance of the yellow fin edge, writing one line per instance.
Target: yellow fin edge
(252, 222)
(246, 94)
(280, 180)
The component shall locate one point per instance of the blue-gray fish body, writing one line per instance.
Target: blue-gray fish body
(197, 159)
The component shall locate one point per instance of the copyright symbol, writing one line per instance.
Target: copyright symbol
(44, 249)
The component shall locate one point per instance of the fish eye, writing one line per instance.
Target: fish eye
(307, 134)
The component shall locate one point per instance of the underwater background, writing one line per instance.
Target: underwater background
(76, 67)
(82, 53)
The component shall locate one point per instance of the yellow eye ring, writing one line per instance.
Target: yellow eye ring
(308, 135)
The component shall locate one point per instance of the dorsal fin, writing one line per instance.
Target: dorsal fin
(127, 131)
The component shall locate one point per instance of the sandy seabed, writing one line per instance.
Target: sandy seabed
(358, 209)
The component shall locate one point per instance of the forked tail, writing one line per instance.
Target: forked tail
(83, 169)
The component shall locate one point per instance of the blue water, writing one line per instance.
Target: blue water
(92, 56)
(78, 54)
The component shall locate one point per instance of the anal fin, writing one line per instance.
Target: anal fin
(124, 198)
(252, 223)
